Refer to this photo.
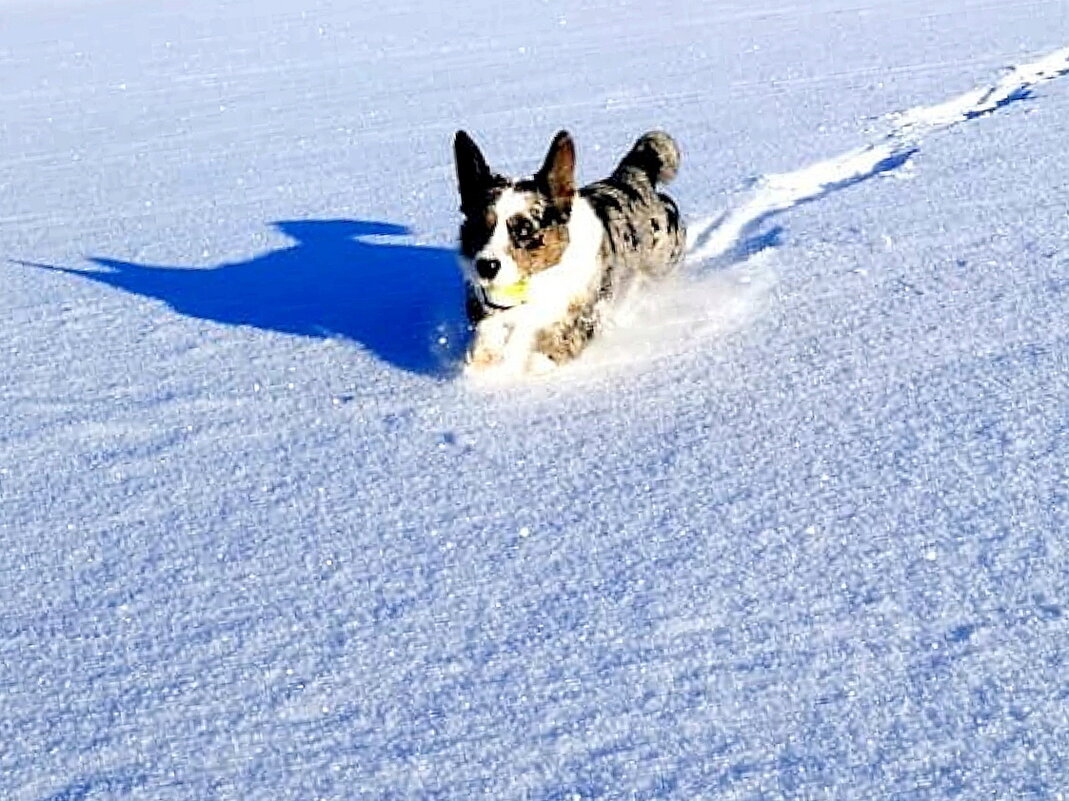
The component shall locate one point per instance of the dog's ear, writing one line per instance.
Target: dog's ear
(473, 173)
(558, 171)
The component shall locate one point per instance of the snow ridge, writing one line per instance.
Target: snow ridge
(718, 236)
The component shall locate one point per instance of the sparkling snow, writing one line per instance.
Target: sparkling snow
(797, 529)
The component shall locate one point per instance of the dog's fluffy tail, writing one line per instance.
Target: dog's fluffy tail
(656, 154)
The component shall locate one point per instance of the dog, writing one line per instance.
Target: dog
(544, 262)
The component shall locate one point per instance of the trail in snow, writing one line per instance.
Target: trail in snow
(699, 304)
(736, 231)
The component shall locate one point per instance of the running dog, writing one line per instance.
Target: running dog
(544, 261)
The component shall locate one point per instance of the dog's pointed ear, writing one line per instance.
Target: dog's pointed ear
(558, 170)
(473, 173)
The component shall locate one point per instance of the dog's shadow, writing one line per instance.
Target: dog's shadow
(404, 303)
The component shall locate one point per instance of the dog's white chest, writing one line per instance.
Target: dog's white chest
(506, 341)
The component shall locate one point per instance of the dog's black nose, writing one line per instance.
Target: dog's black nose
(487, 268)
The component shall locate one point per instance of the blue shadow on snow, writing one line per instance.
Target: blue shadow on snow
(404, 303)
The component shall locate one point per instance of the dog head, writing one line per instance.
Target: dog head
(512, 229)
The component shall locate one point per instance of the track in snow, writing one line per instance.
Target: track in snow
(713, 301)
(736, 234)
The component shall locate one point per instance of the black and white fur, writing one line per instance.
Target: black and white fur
(574, 250)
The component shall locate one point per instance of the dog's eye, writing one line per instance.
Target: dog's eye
(522, 230)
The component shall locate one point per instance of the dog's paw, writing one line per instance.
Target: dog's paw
(482, 360)
(506, 366)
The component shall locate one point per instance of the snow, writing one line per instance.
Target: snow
(795, 530)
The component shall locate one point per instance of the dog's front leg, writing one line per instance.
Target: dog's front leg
(504, 344)
(516, 358)
(489, 344)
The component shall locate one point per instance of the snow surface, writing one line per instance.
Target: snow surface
(796, 530)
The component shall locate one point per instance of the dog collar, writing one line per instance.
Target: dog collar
(505, 297)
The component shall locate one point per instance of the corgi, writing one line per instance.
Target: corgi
(544, 262)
